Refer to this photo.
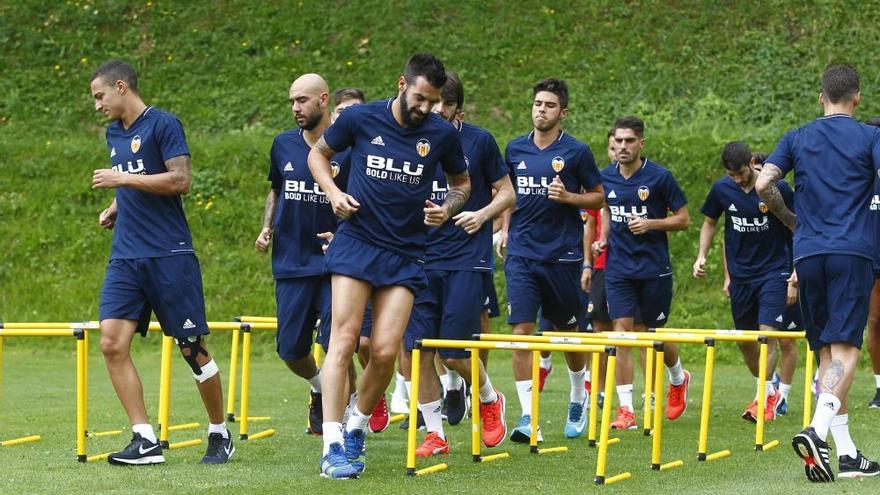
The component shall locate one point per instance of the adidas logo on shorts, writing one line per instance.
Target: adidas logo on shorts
(779, 319)
(572, 321)
(188, 324)
(288, 167)
(113, 152)
(661, 316)
(378, 141)
(792, 326)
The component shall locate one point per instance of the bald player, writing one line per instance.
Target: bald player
(299, 218)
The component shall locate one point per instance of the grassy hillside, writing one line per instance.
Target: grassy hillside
(699, 73)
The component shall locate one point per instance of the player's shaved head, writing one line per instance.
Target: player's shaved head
(309, 100)
(310, 83)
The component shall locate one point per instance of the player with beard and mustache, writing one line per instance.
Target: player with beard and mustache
(378, 252)
(299, 217)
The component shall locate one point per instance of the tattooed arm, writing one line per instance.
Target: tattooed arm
(175, 181)
(459, 192)
(265, 237)
(768, 190)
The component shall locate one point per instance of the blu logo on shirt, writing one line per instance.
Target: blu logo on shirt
(741, 224)
(127, 167)
(621, 214)
(384, 168)
(530, 185)
(875, 202)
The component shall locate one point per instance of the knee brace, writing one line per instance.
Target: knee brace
(194, 347)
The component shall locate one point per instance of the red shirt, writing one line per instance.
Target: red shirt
(598, 262)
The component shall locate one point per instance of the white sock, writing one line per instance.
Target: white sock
(784, 389)
(842, 441)
(357, 420)
(588, 376)
(446, 381)
(676, 373)
(145, 431)
(827, 406)
(487, 392)
(768, 389)
(408, 385)
(578, 391)
(332, 434)
(546, 362)
(315, 382)
(877, 381)
(352, 400)
(433, 420)
(455, 380)
(625, 396)
(524, 391)
(221, 429)
(400, 385)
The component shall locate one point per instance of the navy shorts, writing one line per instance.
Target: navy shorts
(367, 325)
(584, 319)
(649, 298)
(835, 292)
(379, 267)
(554, 288)
(300, 303)
(763, 302)
(170, 286)
(491, 301)
(449, 308)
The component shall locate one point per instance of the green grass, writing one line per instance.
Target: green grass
(38, 398)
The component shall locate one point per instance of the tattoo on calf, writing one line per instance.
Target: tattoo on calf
(832, 376)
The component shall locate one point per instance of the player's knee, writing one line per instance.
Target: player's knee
(384, 356)
(113, 348)
(457, 363)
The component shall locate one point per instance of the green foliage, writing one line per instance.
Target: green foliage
(700, 73)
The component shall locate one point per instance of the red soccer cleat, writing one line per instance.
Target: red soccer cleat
(380, 419)
(494, 427)
(676, 399)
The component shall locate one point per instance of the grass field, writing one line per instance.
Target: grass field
(38, 398)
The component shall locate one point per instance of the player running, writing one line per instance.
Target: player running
(153, 266)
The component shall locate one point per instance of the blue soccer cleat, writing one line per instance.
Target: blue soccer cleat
(335, 464)
(576, 422)
(523, 431)
(355, 443)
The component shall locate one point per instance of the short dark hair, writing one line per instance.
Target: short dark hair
(759, 157)
(117, 70)
(873, 121)
(344, 94)
(630, 122)
(840, 82)
(736, 155)
(427, 66)
(555, 86)
(453, 90)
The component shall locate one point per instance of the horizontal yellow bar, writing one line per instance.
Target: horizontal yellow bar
(495, 457)
(154, 325)
(397, 418)
(188, 443)
(718, 455)
(263, 434)
(551, 450)
(586, 339)
(185, 426)
(98, 457)
(612, 441)
(436, 468)
(259, 418)
(776, 334)
(19, 441)
(671, 465)
(258, 319)
(522, 346)
(49, 325)
(770, 445)
(618, 477)
(108, 433)
(675, 338)
(43, 332)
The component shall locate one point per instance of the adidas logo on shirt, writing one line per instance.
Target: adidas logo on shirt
(288, 167)
(779, 319)
(731, 207)
(188, 324)
(661, 316)
(112, 152)
(378, 141)
(521, 166)
(612, 194)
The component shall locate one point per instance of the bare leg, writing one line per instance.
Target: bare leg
(303, 367)
(116, 336)
(522, 360)
(874, 328)
(211, 389)
(485, 327)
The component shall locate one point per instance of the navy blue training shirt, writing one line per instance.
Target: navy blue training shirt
(147, 225)
(756, 243)
(875, 222)
(651, 192)
(392, 171)
(540, 228)
(449, 246)
(302, 210)
(835, 161)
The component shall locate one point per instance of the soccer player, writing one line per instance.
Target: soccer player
(835, 159)
(639, 193)
(298, 215)
(874, 309)
(458, 265)
(153, 266)
(378, 252)
(757, 250)
(344, 98)
(555, 176)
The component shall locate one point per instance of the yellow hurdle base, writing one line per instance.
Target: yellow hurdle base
(185, 426)
(108, 433)
(263, 434)
(495, 457)
(612, 441)
(436, 468)
(669, 465)
(99, 457)
(767, 446)
(550, 450)
(397, 418)
(255, 418)
(721, 454)
(188, 443)
(599, 480)
(19, 441)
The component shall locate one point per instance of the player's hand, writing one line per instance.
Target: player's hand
(107, 218)
(638, 225)
(791, 294)
(107, 178)
(327, 237)
(344, 205)
(470, 221)
(501, 244)
(586, 279)
(598, 248)
(726, 287)
(263, 240)
(700, 267)
(557, 191)
(435, 215)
